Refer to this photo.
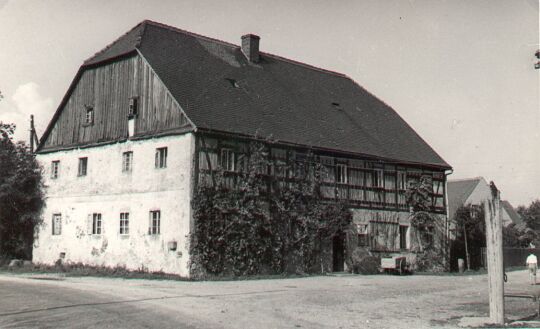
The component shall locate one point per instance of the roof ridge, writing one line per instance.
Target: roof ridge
(292, 61)
(309, 66)
(107, 47)
(176, 29)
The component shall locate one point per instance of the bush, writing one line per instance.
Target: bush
(362, 262)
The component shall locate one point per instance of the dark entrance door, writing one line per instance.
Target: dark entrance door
(338, 253)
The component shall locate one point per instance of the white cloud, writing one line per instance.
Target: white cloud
(27, 100)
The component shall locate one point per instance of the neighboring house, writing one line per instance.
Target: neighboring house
(510, 216)
(133, 136)
(473, 191)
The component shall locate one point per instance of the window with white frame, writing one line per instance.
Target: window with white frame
(55, 169)
(127, 161)
(133, 107)
(377, 178)
(95, 224)
(124, 223)
(89, 117)
(56, 224)
(155, 222)
(363, 239)
(83, 166)
(341, 173)
(227, 160)
(161, 157)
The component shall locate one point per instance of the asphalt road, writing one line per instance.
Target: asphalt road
(381, 301)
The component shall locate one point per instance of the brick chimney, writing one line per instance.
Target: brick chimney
(250, 47)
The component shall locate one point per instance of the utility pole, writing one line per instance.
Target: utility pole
(466, 247)
(494, 253)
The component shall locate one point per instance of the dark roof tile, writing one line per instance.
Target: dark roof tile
(290, 101)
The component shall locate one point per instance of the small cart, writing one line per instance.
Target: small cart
(395, 264)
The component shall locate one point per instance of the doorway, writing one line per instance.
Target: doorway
(338, 253)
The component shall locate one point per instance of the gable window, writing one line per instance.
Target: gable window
(133, 107)
(403, 229)
(155, 222)
(127, 161)
(95, 224)
(56, 224)
(83, 166)
(377, 178)
(55, 169)
(124, 223)
(89, 118)
(161, 157)
(341, 174)
(227, 159)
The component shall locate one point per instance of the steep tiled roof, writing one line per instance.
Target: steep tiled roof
(458, 192)
(295, 103)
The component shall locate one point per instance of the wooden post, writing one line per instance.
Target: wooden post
(494, 253)
(466, 248)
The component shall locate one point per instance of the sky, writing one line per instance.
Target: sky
(461, 73)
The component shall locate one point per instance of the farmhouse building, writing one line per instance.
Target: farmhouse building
(130, 140)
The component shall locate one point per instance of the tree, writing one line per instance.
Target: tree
(531, 214)
(21, 195)
(471, 233)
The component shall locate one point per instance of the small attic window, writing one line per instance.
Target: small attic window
(233, 82)
(89, 115)
(133, 107)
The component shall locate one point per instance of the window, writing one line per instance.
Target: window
(55, 169)
(124, 223)
(127, 161)
(161, 157)
(341, 174)
(89, 118)
(377, 178)
(133, 107)
(227, 159)
(83, 166)
(402, 180)
(56, 224)
(155, 222)
(363, 240)
(95, 220)
(403, 229)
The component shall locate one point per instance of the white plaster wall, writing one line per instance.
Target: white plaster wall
(109, 191)
(481, 193)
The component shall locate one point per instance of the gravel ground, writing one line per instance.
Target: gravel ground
(342, 301)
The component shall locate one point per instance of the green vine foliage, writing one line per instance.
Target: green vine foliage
(428, 231)
(266, 223)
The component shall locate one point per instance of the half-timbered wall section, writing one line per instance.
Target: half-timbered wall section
(107, 99)
(363, 183)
